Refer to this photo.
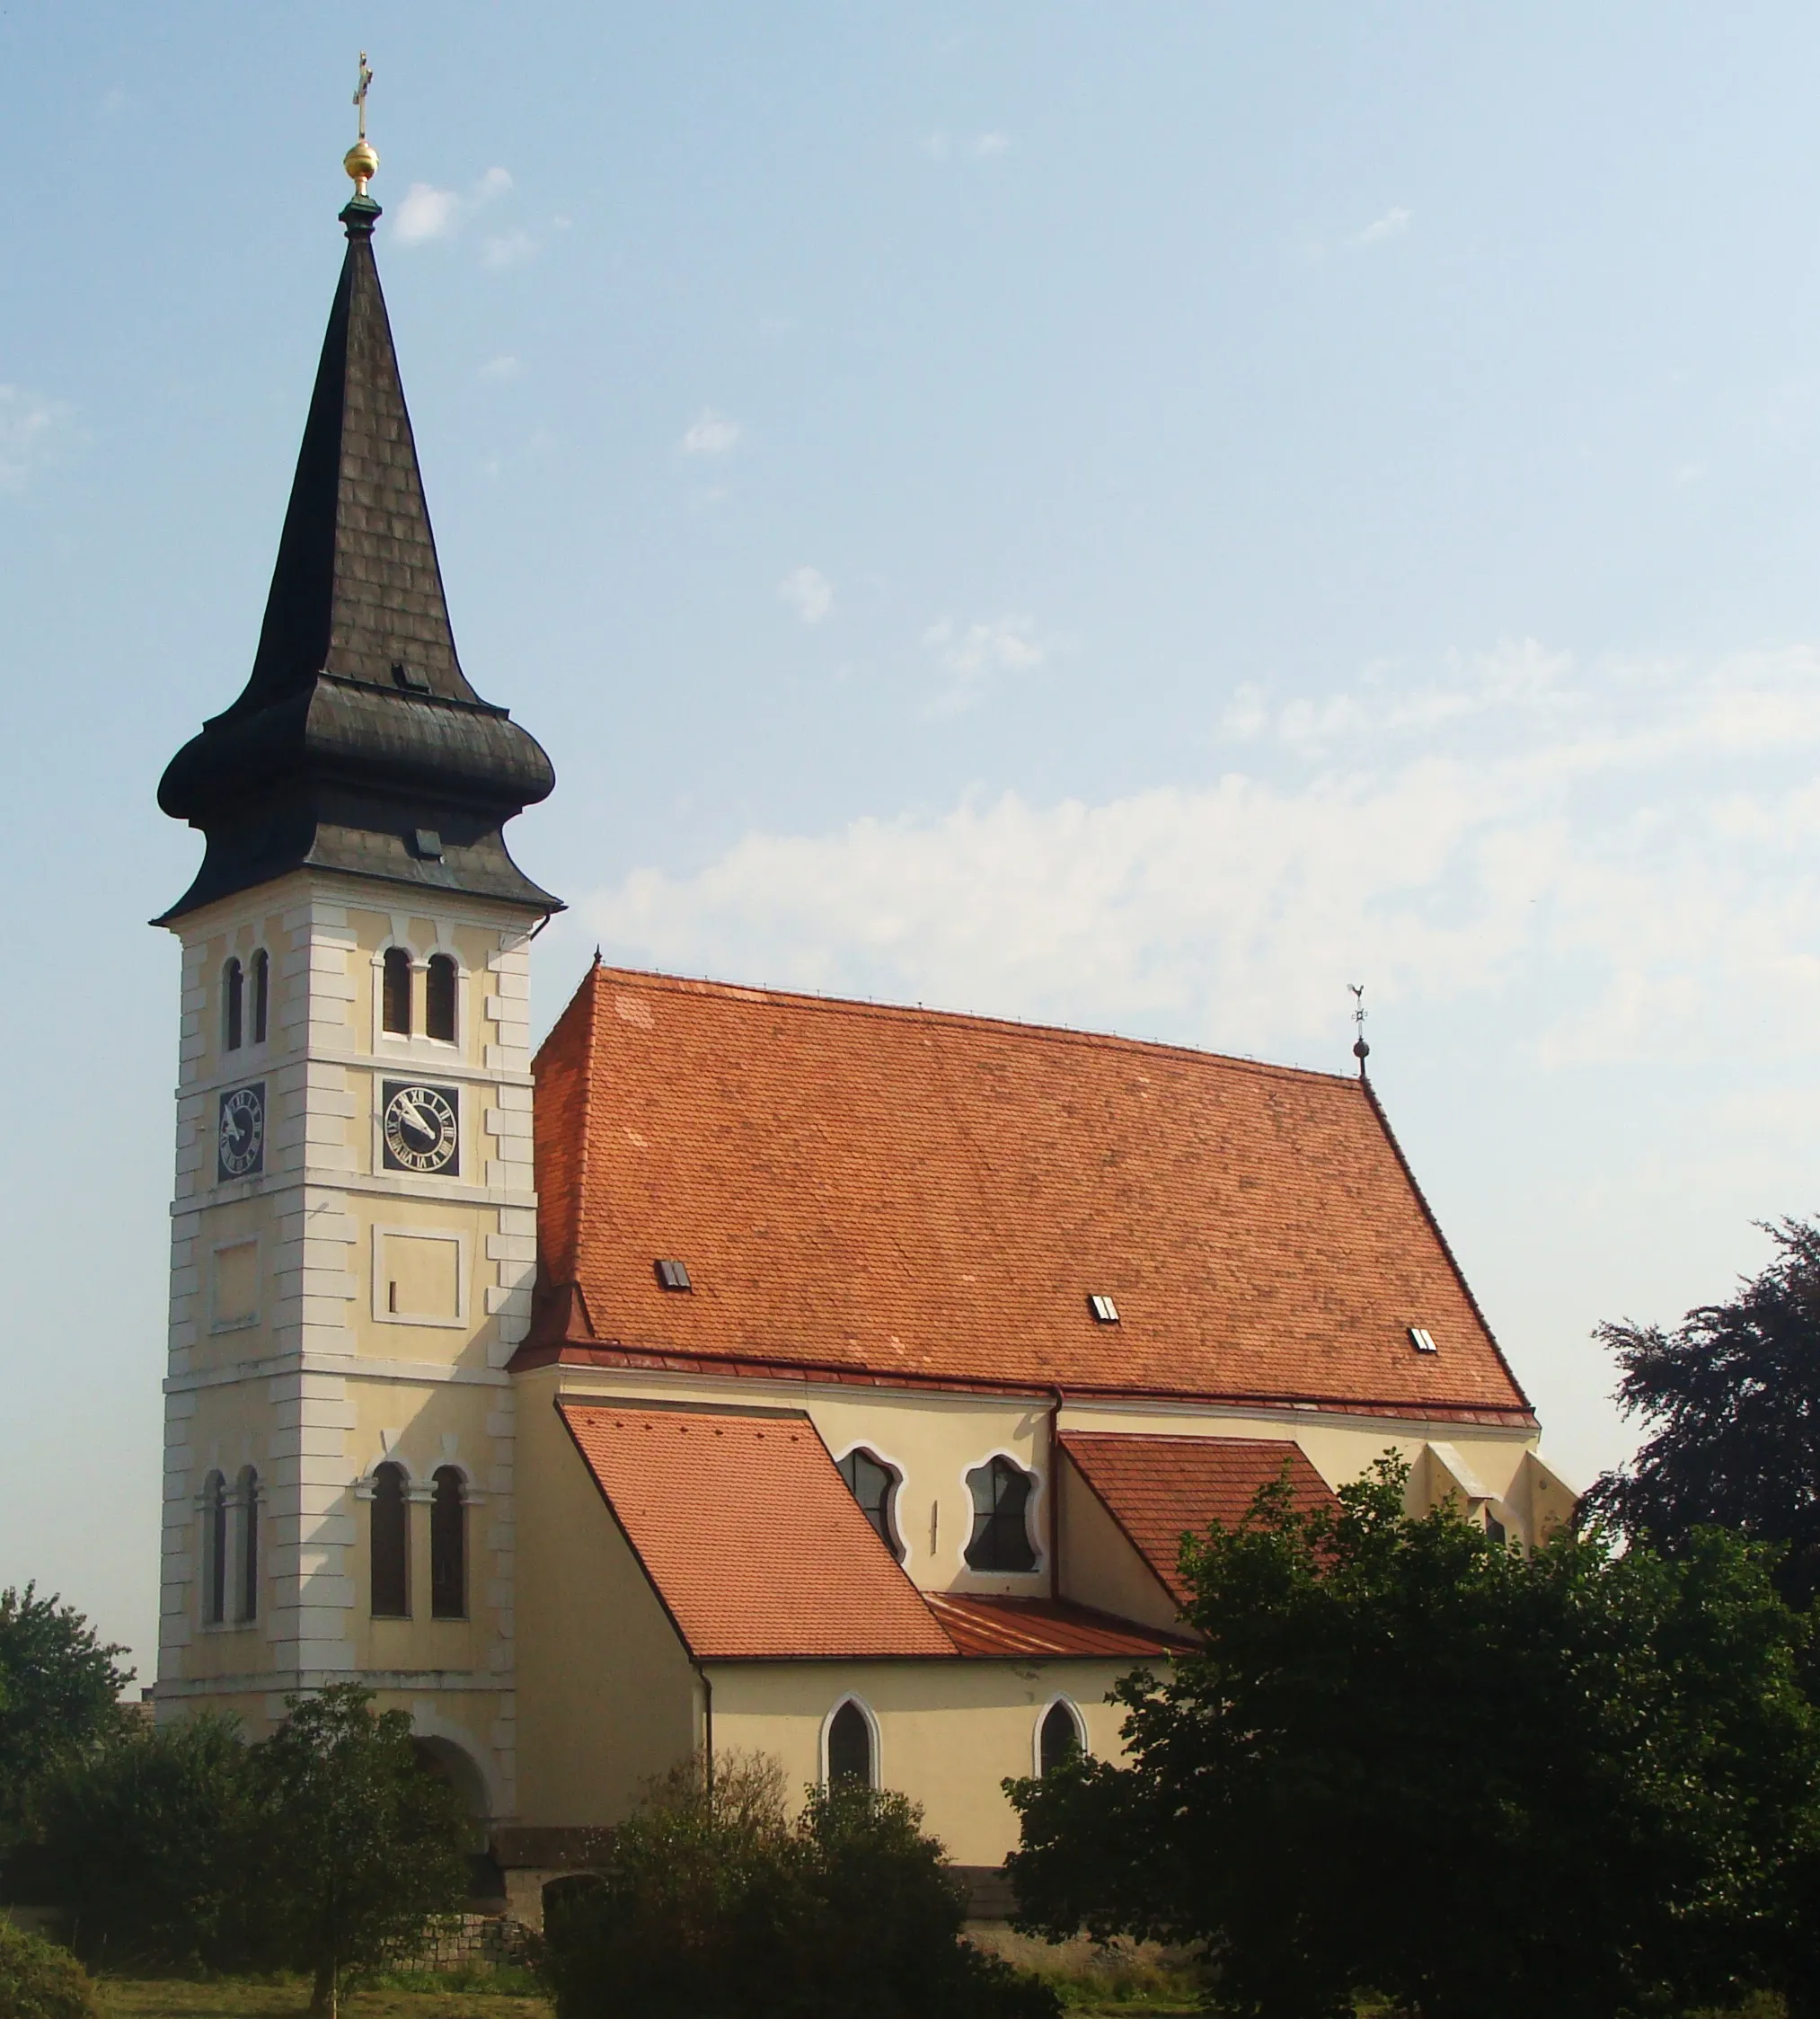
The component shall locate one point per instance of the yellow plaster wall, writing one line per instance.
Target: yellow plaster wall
(947, 1731)
(608, 1695)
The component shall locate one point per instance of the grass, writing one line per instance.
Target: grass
(463, 1995)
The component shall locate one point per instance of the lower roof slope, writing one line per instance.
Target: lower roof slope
(900, 1194)
(1159, 1488)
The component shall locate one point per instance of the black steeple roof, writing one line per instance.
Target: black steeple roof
(358, 744)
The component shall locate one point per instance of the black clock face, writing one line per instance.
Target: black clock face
(419, 1127)
(240, 1135)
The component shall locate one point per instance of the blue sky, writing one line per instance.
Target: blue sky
(1131, 516)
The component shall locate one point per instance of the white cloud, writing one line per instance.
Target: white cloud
(499, 368)
(940, 146)
(30, 427)
(1614, 854)
(809, 592)
(972, 658)
(710, 434)
(992, 144)
(1393, 223)
(427, 212)
(507, 248)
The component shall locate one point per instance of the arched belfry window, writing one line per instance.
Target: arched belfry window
(852, 1756)
(394, 992)
(232, 1006)
(874, 1485)
(248, 1497)
(439, 998)
(1060, 1737)
(448, 1546)
(215, 1550)
(261, 994)
(1001, 1539)
(390, 1566)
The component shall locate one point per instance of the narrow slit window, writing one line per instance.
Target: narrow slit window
(439, 998)
(249, 1544)
(1059, 1741)
(394, 1011)
(874, 1485)
(1001, 1539)
(262, 993)
(215, 1550)
(448, 1548)
(391, 1565)
(232, 1006)
(849, 1747)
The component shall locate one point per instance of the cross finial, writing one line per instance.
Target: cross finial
(1361, 1051)
(362, 159)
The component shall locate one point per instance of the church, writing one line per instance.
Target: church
(743, 1371)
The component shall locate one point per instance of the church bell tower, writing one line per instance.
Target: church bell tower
(353, 1231)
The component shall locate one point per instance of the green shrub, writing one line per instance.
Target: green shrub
(144, 1844)
(713, 1901)
(38, 1980)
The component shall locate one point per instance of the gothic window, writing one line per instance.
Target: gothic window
(215, 1550)
(439, 998)
(391, 1577)
(874, 1485)
(849, 1747)
(1059, 1740)
(448, 1548)
(1001, 1539)
(394, 1008)
(232, 1006)
(249, 1543)
(262, 993)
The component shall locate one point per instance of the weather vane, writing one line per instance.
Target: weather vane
(1361, 1051)
(362, 159)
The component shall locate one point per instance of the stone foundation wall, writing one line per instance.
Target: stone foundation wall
(464, 1941)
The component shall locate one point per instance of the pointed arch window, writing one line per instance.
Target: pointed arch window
(260, 990)
(248, 1497)
(1001, 1539)
(439, 998)
(1060, 1737)
(214, 1550)
(232, 1006)
(874, 1485)
(448, 1546)
(853, 1757)
(390, 1543)
(394, 1005)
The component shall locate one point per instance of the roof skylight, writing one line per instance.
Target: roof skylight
(672, 1275)
(1422, 1340)
(1105, 1310)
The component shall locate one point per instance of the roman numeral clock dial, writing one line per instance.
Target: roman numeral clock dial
(419, 1128)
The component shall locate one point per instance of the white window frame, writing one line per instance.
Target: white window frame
(865, 1711)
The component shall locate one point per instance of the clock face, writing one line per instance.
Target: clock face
(419, 1127)
(240, 1136)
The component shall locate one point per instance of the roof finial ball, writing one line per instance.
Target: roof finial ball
(1361, 1051)
(362, 159)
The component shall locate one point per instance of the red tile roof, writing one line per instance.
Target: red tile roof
(749, 1535)
(1156, 1487)
(894, 1194)
(1042, 1628)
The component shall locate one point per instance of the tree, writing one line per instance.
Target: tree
(355, 1842)
(38, 1980)
(713, 1901)
(1413, 1761)
(1732, 1395)
(60, 1695)
(143, 1842)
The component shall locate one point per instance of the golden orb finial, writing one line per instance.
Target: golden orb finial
(362, 159)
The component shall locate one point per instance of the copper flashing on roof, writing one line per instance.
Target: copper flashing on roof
(1044, 1629)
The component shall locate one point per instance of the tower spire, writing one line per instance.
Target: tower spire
(358, 743)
